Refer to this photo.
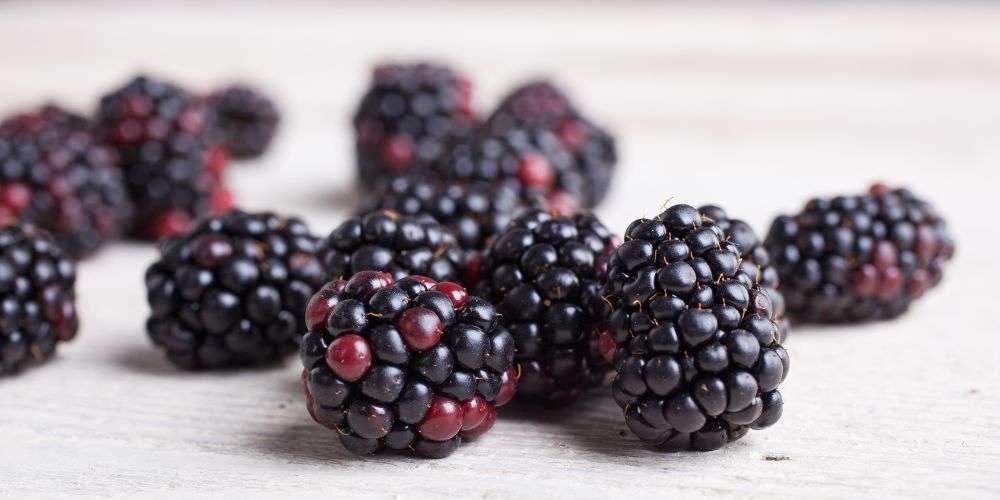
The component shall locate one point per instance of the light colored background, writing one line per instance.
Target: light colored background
(754, 106)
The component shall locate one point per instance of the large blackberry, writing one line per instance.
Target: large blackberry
(233, 291)
(406, 365)
(700, 356)
(384, 240)
(37, 296)
(473, 211)
(545, 275)
(856, 258)
(54, 174)
(243, 120)
(172, 172)
(409, 117)
(542, 105)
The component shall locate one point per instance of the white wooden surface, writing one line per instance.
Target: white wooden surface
(754, 106)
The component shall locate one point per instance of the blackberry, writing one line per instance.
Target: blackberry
(532, 162)
(541, 105)
(172, 172)
(54, 174)
(37, 296)
(699, 355)
(409, 117)
(243, 120)
(401, 245)
(410, 364)
(545, 275)
(233, 291)
(473, 211)
(859, 258)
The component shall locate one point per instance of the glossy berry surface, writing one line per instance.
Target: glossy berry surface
(233, 291)
(409, 117)
(172, 170)
(55, 174)
(858, 258)
(243, 120)
(698, 331)
(545, 275)
(407, 364)
(385, 240)
(37, 297)
(473, 211)
(541, 105)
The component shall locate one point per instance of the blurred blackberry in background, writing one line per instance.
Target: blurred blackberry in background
(700, 355)
(534, 104)
(401, 245)
(857, 258)
(409, 117)
(473, 211)
(243, 120)
(37, 296)
(233, 291)
(172, 172)
(54, 174)
(541, 105)
(545, 275)
(532, 162)
(405, 365)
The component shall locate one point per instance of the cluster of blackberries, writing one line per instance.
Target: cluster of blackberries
(148, 164)
(55, 174)
(173, 146)
(470, 276)
(423, 150)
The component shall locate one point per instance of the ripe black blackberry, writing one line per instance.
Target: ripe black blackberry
(473, 211)
(243, 120)
(37, 296)
(54, 174)
(233, 291)
(858, 258)
(545, 275)
(172, 172)
(409, 117)
(401, 245)
(541, 105)
(405, 365)
(699, 355)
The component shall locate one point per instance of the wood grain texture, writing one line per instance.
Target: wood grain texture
(753, 106)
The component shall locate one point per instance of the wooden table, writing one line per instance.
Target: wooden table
(752, 106)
